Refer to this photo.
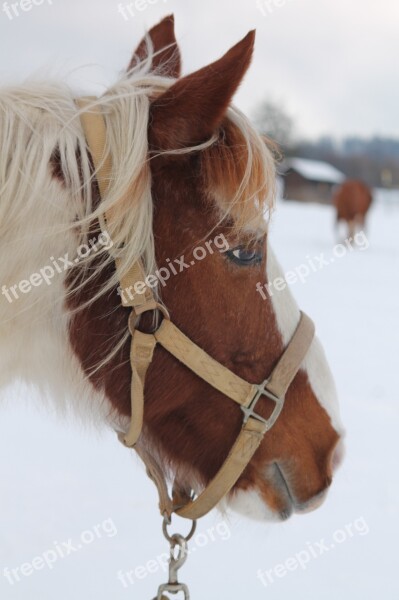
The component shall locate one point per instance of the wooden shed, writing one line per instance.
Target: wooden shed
(308, 180)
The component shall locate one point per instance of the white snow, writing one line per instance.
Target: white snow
(58, 481)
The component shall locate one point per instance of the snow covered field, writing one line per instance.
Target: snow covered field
(79, 503)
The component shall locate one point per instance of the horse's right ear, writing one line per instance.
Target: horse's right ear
(193, 108)
(167, 59)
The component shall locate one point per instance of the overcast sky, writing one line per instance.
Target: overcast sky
(332, 64)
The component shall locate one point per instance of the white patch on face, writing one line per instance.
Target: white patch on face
(250, 504)
(315, 364)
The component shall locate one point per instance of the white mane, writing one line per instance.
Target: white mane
(43, 218)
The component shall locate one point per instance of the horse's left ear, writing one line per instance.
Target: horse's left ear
(167, 59)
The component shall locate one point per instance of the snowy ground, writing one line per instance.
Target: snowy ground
(58, 482)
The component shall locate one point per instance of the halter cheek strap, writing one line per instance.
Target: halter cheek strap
(246, 395)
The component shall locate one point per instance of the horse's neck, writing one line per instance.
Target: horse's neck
(34, 341)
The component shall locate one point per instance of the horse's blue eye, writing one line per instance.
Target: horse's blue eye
(244, 256)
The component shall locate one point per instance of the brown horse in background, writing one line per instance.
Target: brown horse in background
(352, 201)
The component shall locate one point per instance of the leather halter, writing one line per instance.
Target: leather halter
(246, 395)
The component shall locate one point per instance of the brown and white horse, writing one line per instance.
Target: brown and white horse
(196, 171)
(352, 202)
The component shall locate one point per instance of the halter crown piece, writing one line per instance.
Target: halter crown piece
(246, 395)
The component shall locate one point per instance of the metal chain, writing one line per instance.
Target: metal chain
(178, 556)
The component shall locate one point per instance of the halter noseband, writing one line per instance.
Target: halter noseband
(246, 395)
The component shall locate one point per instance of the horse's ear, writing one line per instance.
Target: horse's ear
(166, 60)
(191, 110)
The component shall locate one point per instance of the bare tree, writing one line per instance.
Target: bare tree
(272, 120)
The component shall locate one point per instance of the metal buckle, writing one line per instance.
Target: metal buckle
(249, 411)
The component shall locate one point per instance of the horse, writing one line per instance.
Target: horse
(352, 201)
(190, 195)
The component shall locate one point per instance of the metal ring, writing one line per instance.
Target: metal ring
(171, 538)
(158, 310)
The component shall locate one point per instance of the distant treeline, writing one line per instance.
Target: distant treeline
(374, 160)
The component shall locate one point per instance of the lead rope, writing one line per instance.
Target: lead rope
(176, 541)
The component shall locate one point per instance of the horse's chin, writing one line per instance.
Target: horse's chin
(251, 504)
(272, 500)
